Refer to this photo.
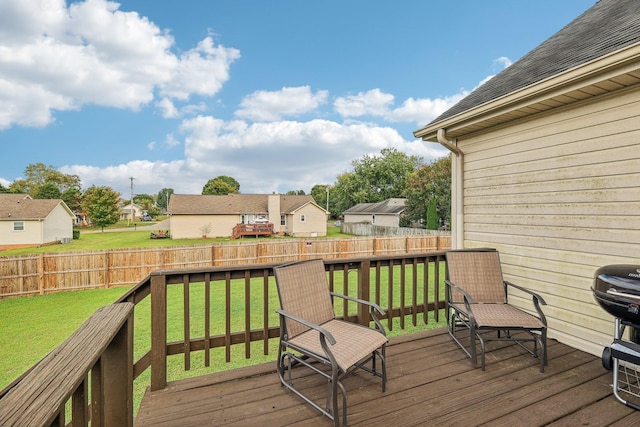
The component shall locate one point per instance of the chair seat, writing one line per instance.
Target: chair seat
(504, 316)
(354, 342)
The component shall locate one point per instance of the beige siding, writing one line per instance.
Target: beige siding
(58, 225)
(32, 233)
(190, 226)
(314, 224)
(380, 219)
(559, 196)
(358, 218)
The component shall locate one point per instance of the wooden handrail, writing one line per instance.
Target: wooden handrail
(100, 349)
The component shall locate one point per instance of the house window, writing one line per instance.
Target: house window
(243, 219)
(373, 219)
(302, 218)
(18, 226)
(283, 220)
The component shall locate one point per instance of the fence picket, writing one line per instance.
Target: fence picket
(53, 272)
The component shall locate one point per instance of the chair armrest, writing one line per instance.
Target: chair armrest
(308, 324)
(533, 294)
(453, 287)
(466, 297)
(360, 301)
(537, 300)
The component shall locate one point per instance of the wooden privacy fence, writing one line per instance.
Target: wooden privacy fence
(53, 272)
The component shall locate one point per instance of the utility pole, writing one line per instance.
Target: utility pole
(131, 217)
(327, 187)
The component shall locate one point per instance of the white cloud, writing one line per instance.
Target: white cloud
(54, 57)
(152, 145)
(376, 103)
(201, 71)
(263, 157)
(373, 102)
(167, 108)
(502, 63)
(275, 105)
(422, 111)
(171, 141)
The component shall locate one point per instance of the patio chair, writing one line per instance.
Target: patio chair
(477, 295)
(312, 336)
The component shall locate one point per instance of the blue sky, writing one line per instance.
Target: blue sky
(281, 95)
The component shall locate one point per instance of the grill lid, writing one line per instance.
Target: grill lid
(616, 288)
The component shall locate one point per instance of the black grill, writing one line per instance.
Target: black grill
(617, 289)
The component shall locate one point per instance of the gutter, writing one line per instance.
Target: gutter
(442, 139)
(457, 173)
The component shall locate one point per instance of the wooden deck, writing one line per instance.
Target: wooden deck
(431, 382)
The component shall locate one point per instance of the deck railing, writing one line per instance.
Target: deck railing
(200, 313)
(91, 371)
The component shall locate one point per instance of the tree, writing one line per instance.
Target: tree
(319, 194)
(3, 189)
(432, 214)
(39, 174)
(374, 179)
(221, 185)
(73, 198)
(430, 181)
(101, 205)
(144, 200)
(163, 197)
(295, 193)
(48, 190)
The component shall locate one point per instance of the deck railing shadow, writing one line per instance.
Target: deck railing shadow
(197, 314)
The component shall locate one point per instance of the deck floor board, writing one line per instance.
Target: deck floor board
(431, 382)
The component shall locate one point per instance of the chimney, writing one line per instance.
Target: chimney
(273, 208)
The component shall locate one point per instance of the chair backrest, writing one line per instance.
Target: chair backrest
(478, 273)
(304, 291)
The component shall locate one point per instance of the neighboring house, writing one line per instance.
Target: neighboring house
(27, 221)
(189, 215)
(126, 210)
(546, 166)
(386, 213)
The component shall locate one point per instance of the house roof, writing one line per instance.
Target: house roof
(257, 204)
(386, 207)
(607, 27)
(23, 207)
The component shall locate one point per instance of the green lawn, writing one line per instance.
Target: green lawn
(96, 240)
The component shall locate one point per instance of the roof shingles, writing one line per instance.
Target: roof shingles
(22, 207)
(257, 204)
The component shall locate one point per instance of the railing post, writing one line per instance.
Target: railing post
(364, 291)
(158, 332)
(117, 363)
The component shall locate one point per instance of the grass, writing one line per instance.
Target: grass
(96, 240)
(33, 326)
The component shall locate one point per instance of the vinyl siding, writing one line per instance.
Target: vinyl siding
(315, 222)
(559, 196)
(190, 226)
(32, 233)
(58, 225)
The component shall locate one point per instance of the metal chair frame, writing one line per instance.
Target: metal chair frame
(323, 359)
(460, 314)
